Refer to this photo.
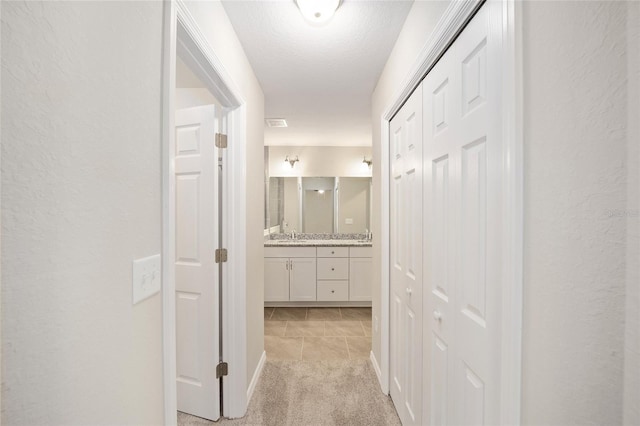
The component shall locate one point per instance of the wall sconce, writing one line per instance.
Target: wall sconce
(367, 162)
(291, 161)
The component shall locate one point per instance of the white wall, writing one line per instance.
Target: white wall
(81, 199)
(576, 171)
(217, 29)
(318, 161)
(420, 22)
(574, 260)
(632, 325)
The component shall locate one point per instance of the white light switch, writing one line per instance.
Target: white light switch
(147, 276)
(348, 221)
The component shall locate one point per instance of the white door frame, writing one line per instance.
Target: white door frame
(450, 25)
(183, 36)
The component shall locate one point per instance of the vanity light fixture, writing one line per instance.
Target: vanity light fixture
(317, 12)
(367, 162)
(291, 161)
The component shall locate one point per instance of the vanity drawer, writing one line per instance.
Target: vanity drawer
(329, 291)
(289, 252)
(333, 269)
(361, 252)
(333, 251)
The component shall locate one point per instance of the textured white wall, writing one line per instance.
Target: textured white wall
(319, 161)
(81, 199)
(632, 325)
(217, 29)
(574, 260)
(421, 21)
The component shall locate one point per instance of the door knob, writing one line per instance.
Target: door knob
(437, 315)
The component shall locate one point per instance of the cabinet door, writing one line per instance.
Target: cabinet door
(360, 279)
(276, 279)
(303, 279)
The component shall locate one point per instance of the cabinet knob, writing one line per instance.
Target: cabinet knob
(333, 269)
(333, 252)
(333, 291)
(409, 291)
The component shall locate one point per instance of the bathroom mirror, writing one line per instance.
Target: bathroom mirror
(319, 205)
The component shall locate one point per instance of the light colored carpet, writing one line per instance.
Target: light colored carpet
(309, 393)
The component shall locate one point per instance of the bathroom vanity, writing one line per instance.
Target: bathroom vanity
(317, 272)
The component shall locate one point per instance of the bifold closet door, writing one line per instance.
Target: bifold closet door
(463, 221)
(406, 260)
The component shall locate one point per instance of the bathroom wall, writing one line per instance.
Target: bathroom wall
(319, 161)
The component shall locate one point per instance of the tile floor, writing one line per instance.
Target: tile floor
(317, 333)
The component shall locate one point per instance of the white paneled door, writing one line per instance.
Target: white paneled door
(463, 154)
(197, 320)
(406, 260)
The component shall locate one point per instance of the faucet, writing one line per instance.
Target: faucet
(293, 234)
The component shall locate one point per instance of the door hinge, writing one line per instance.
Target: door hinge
(221, 140)
(222, 369)
(221, 255)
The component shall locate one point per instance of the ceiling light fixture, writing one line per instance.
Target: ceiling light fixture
(317, 12)
(367, 162)
(291, 161)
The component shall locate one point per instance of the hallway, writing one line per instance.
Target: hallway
(317, 372)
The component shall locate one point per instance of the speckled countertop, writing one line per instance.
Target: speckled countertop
(318, 240)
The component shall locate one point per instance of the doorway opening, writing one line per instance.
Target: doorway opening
(203, 138)
(317, 255)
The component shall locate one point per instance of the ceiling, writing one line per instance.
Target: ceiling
(320, 79)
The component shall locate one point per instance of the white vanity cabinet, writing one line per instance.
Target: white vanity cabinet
(276, 279)
(360, 274)
(333, 274)
(317, 275)
(290, 274)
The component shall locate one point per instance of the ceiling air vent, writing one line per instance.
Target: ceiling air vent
(276, 122)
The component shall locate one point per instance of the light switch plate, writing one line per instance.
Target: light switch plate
(348, 221)
(147, 277)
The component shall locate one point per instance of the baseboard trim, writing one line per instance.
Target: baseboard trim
(256, 376)
(376, 368)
